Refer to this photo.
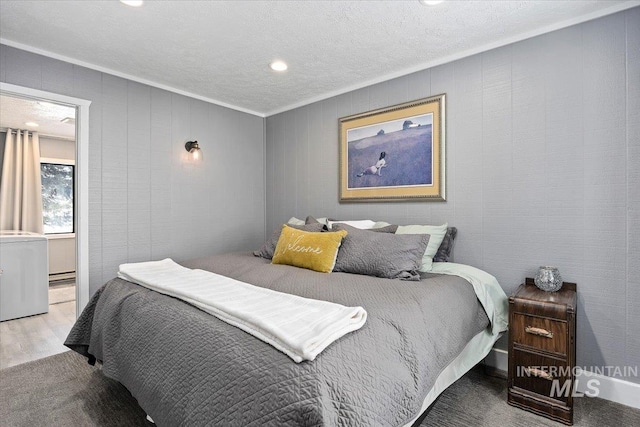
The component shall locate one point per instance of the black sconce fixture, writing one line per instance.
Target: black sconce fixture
(195, 154)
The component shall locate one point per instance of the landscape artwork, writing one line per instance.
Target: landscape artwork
(396, 153)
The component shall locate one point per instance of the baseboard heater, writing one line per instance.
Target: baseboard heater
(67, 275)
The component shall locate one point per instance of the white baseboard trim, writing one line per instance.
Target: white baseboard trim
(609, 388)
(589, 383)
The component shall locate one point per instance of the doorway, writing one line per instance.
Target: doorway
(63, 165)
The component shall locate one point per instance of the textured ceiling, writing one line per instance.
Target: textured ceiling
(14, 112)
(220, 50)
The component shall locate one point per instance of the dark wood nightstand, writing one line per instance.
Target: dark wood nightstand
(542, 350)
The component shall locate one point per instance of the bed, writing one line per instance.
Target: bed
(186, 367)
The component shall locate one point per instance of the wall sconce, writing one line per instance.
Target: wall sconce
(195, 154)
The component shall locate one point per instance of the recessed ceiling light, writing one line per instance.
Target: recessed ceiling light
(278, 66)
(431, 2)
(132, 3)
(32, 124)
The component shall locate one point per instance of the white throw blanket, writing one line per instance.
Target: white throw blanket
(299, 327)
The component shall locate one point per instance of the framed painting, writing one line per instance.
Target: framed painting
(394, 153)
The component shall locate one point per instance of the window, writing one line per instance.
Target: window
(57, 197)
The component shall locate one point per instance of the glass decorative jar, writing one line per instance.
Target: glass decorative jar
(548, 279)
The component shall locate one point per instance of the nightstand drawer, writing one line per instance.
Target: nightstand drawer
(545, 376)
(541, 333)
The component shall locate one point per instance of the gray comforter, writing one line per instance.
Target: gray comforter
(186, 367)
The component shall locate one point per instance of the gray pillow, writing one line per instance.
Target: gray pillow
(391, 228)
(312, 220)
(387, 229)
(392, 256)
(269, 247)
(446, 247)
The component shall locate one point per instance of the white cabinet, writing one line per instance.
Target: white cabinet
(24, 275)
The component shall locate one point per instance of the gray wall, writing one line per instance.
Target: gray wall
(144, 202)
(543, 154)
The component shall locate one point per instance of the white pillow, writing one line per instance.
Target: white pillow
(363, 224)
(437, 233)
(295, 221)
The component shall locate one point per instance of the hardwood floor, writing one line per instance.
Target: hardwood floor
(34, 337)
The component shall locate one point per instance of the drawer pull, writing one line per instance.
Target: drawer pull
(538, 331)
(538, 373)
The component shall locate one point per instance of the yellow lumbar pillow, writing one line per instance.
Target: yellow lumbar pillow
(312, 250)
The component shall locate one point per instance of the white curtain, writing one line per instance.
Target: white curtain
(20, 184)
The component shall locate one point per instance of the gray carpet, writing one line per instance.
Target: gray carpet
(480, 400)
(62, 390)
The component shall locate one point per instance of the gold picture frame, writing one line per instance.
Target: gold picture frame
(395, 153)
